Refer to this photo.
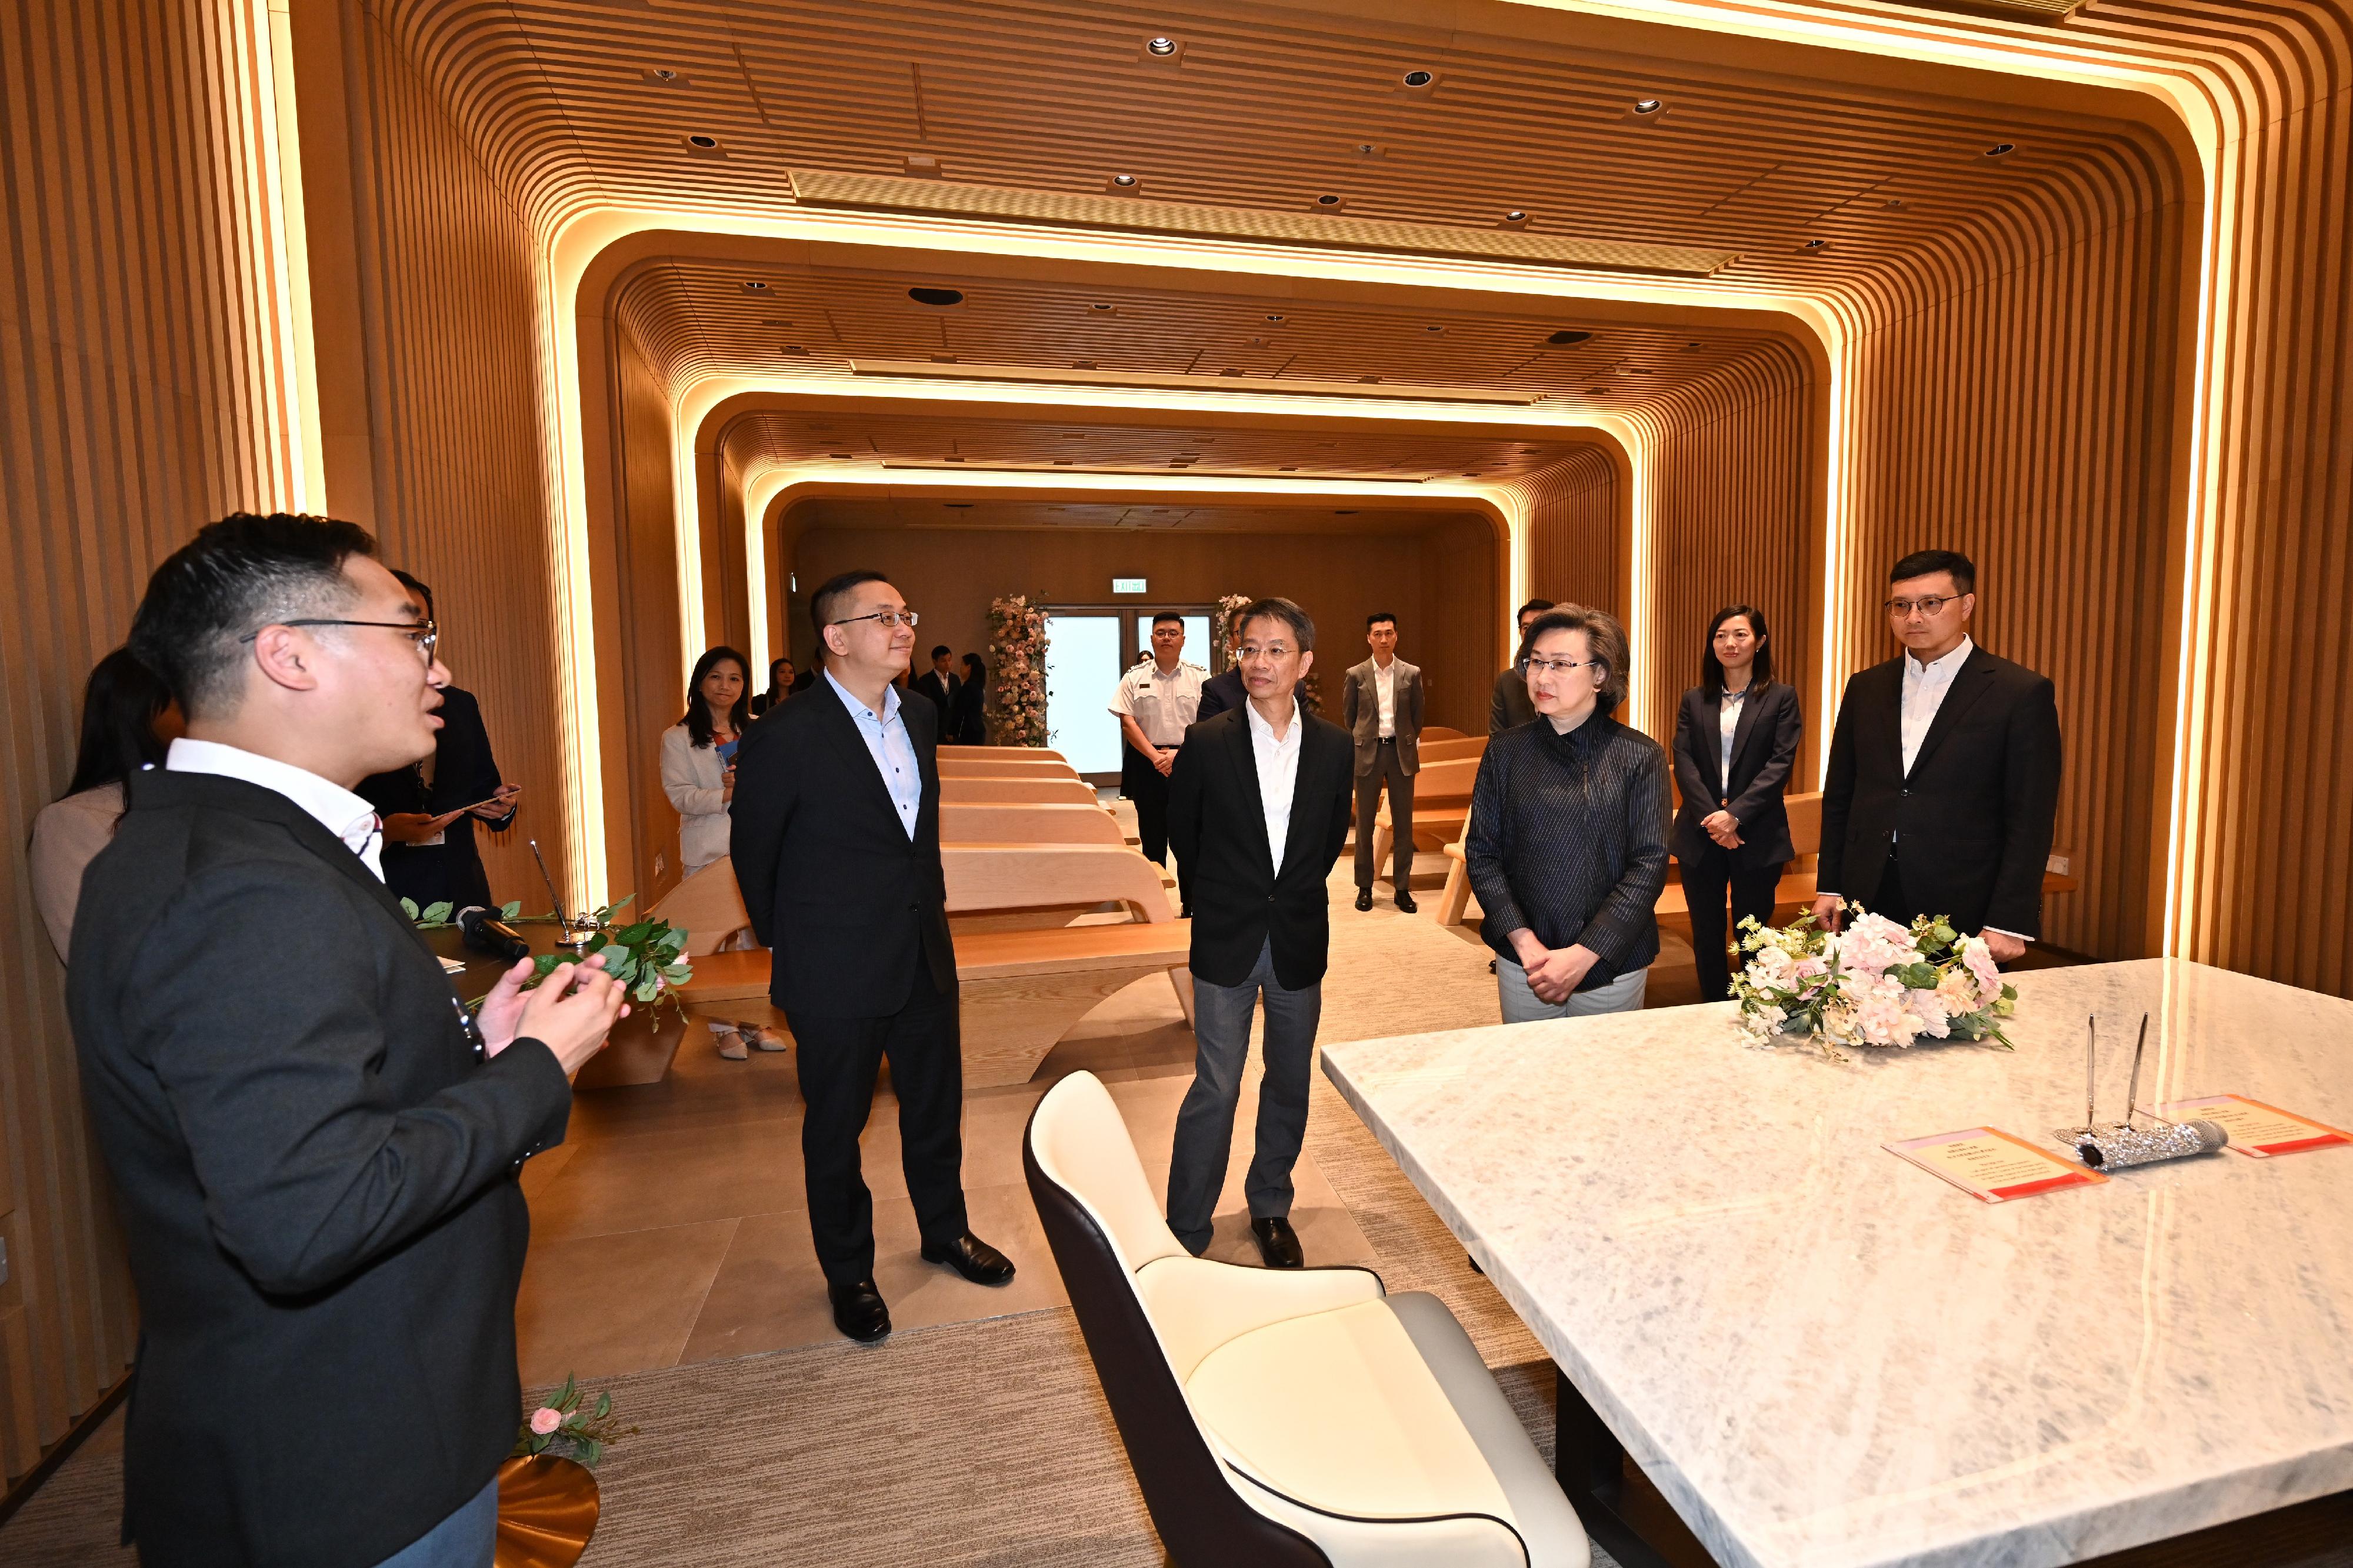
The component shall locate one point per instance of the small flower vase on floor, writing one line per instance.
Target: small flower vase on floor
(547, 1511)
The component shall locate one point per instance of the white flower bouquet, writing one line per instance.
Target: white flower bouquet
(1875, 983)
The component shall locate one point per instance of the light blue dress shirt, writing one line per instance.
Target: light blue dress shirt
(893, 749)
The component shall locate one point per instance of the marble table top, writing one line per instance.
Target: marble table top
(1823, 1356)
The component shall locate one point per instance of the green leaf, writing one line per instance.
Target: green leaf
(603, 1405)
(678, 974)
(646, 991)
(408, 908)
(611, 910)
(510, 909)
(1918, 976)
(439, 913)
(630, 936)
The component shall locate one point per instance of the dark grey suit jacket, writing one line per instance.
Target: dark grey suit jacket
(1360, 715)
(316, 1178)
(1509, 708)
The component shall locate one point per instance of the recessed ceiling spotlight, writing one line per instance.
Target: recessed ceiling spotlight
(1082, 365)
(1596, 391)
(1163, 47)
(1434, 329)
(1567, 336)
(1329, 201)
(1647, 105)
(1273, 316)
(1370, 149)
(839, 457)
(1815, 245)
(1515, 215)
(666, 78)
(699, 140)
(940, 297)
(1690, 348)
(795, 349)
(1893, 204)
(752, 286)
(1419, 79)
(2002, 150)
(1124, 182)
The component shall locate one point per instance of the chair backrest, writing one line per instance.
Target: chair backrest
(1102, 1224)
(1452, 749)
(982, 876)
(1006, 792)
(963, 822)
(1016, 752)
(1445, 781)
(1805, 821)
(994, 768)
(708, 906)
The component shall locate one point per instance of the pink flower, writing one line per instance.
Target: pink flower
(1979, 957)
(1873, 944)
(545, 1420)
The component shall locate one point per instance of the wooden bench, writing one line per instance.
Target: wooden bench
(1015, 752)
(1448, 751)
(1017, 791)
(965, 821)
(1442, 803)
(1014, 768)
(1021, 989)
(1440, 732)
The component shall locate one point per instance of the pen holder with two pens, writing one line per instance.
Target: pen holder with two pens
(2120, 1143)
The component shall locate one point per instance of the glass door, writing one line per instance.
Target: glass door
(1083, 665)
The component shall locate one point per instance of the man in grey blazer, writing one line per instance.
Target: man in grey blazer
(1382, 709)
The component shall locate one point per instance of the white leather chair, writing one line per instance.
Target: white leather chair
(1280, 1417)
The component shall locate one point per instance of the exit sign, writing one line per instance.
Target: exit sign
(1127, 585)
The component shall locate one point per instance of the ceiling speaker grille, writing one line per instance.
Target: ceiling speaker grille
(1002, 203)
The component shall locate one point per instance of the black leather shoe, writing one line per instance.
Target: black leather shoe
(1364, 898)
(1405, 902)
(859, 1311)
(974, 1258)
(1278, 1244)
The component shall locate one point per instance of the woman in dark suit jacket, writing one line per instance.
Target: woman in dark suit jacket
(968, 725)
(1736, 740)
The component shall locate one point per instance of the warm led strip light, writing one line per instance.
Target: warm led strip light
(931, 369)
(897, 194)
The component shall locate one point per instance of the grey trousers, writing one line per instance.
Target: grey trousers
(464, 1540)
(1522, 1006)
(1205, 1123)
(1389, 768)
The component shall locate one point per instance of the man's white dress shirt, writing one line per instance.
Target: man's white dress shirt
(1278, 773)
(1385, 685)
(894, 751)
(1924, 686)
(337, 809)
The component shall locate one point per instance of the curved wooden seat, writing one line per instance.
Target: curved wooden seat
(1010, 792)
(945, 752)
(1010, 768)
(969, 822)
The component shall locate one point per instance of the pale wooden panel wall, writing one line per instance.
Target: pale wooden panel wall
(139, 390)
(423, 298)
(1580, 541)
(1458, 632)
(2024, 422)
(1734, 522)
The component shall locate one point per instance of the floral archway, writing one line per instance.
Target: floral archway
(1016, 654)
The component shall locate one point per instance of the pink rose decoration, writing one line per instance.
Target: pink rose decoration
(1979, 959)
(545, 1420)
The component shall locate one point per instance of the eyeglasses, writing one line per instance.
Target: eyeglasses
(1270, 650)
(424, 634)
(1555, 666)
(888, 618)
(1902, 608)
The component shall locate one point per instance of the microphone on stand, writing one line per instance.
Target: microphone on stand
(484, 932)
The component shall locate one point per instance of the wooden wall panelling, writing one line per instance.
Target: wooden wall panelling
(1460, 627)
(140, 394)
(1736, 519)
(424, 266)
(2024, 423)
(1580, 534)
(637, 574)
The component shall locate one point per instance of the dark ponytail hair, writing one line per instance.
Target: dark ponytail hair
(698, 711)
(120, 706)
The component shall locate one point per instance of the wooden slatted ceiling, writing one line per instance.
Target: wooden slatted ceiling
(901, 511)
(795, 438)
(700, 317)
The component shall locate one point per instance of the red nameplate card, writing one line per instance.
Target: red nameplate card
(2256, 1129)
(1992, 1165)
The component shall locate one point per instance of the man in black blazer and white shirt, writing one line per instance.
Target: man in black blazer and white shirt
(1944, 774)
(1258, 807)
(836, 841)
(941, 684)
(313, 1147)
(1381, 707)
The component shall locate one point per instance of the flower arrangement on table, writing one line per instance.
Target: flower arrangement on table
(565, 1428)
(648, 956)
(1877, 983)
(1017, 688)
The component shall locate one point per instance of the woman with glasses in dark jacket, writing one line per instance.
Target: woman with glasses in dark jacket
(1568, 842)
(1735, 740)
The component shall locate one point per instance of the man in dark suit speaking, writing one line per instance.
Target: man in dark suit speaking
(315, 1149)
(836, 841)
(1944, 772)
(1257, 808)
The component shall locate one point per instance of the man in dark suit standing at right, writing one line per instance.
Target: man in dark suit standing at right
(1509, 708)
(941, 684)
(836, 841)
(1944, 774)
(1223, 692)
(1258, 807)
(315, 1147)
